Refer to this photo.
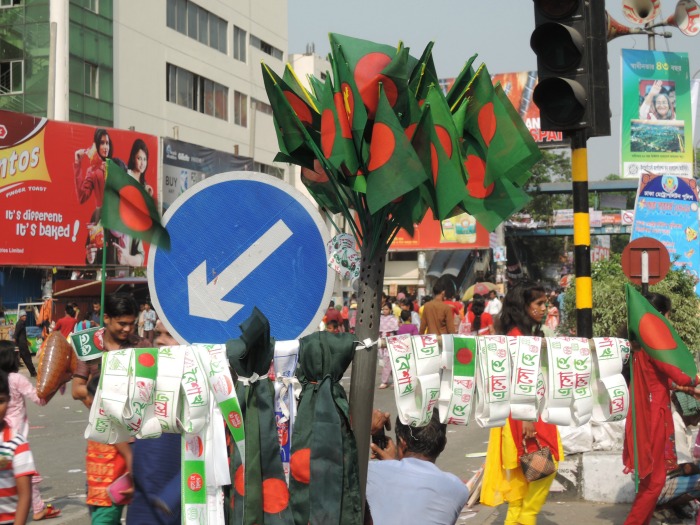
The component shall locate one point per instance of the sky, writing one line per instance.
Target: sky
(497, 30)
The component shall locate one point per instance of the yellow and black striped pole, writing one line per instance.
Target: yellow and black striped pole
(582, 236)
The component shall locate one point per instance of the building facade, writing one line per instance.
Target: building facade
(172, 68)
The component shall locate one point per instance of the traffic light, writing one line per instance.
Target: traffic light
(570, 41)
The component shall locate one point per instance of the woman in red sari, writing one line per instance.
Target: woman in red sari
(652, 425)
(524, 309)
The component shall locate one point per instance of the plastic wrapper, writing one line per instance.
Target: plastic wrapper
(57, 362)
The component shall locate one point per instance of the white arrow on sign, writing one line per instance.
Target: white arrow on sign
(207, 299)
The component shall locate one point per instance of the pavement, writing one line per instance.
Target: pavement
(58, 446)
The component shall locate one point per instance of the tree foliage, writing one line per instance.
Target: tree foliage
(610, 312)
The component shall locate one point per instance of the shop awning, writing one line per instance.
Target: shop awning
(456, 262)
(447, 262)
(401, 272)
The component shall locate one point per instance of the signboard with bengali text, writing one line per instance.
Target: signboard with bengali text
(657, 135)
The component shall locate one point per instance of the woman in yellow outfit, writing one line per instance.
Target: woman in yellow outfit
(524, 309)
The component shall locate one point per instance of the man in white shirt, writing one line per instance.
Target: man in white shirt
(405, 485)
(494, 305)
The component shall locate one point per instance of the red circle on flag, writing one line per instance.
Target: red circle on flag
(235, 419)
(342, 115)
(487, 122)
(434, 162)
(655, 333)
(318, 175)
(239, 480)
(445, 140)
(133, 209)
(382, 147)
(147, 360)
(367, 78)
(465, 356)
(194, 482)
(327, 132)
(300, 465)
(275, 495)
(476, 169)
(302, 110)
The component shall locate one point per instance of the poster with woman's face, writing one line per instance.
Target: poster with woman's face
(656, 114)
(52, 180)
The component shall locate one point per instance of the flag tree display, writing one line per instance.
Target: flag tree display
(378, 141)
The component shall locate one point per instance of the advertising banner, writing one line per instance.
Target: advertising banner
(52, 180)
(186, 164)
(519, 87)
(461, 232)
(667, 210)
(656, 114)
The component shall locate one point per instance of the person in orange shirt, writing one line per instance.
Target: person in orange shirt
(438, 317)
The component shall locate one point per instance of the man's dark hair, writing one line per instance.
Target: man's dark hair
(8, 359)
(70, 310)
(332, 324)
(120, 304)
(428, 441)
(4, 384)
(438, 289)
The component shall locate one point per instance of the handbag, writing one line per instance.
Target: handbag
(539, 464)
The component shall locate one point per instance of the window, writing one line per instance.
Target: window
(265, 47)
(240, 109)
(239, 43)
(187, 89)
(270, 170)
(259, 105)
(11, 77)
(10, 3)
(197, 23)
(91, 80)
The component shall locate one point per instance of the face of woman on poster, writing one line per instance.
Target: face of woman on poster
(141, 161)
(103, 147)
(662, 106)
(537, 309)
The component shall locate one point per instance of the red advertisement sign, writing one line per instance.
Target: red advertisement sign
(458, 233)
(52, 187)
(519, 87)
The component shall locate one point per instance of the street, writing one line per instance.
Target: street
(56, 438)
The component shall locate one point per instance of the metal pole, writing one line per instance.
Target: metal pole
(645, 273)
(51, 95)
(582, 236)
(651, 38)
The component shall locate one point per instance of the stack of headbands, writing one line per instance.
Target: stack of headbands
(493, 377)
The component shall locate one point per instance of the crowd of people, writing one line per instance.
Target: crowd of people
(668, 473)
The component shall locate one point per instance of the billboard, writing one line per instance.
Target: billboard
(519, 87)
(186, 164)
(52, 181)
(657, 135)
(667, 210)
(461, 232)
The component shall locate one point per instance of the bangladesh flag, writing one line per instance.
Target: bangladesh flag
(394, 167)
(129, 209)
(658, 338)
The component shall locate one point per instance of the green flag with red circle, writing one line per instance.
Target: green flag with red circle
(129, 209)
(394, 167)
(657, 337)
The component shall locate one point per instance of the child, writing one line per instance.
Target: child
(21, 387)
(406, 326)
(105, 463)
(388, 326)
(16, 466)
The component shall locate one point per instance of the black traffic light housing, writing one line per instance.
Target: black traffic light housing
(570, 41)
